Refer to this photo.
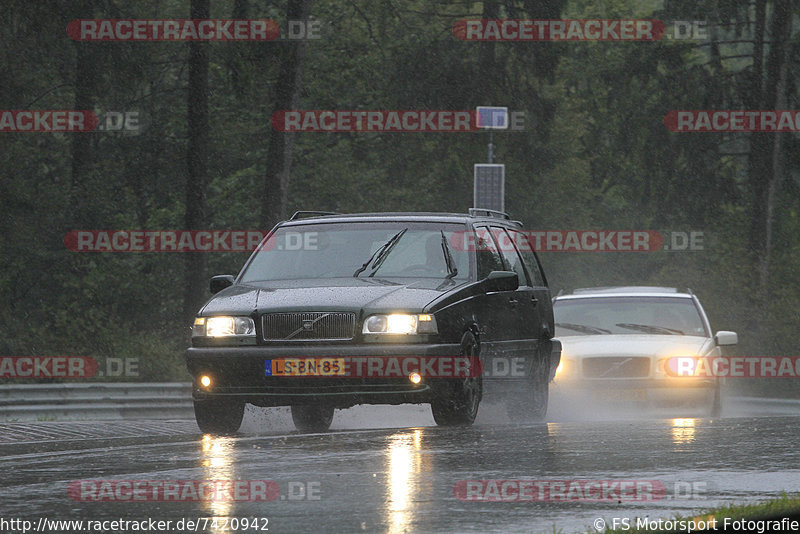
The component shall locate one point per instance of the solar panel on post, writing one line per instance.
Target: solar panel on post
(489, 186)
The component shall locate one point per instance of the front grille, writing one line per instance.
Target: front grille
(308, 326)
(616, 367)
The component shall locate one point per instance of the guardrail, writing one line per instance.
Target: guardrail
(96, 401)
(173, 400)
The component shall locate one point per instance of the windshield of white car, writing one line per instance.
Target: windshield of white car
(338, 250)
(628, 316)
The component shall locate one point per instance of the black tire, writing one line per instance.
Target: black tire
(219, 416)
(715, 410)
(528, 402)
(458, 404)
(312, 417)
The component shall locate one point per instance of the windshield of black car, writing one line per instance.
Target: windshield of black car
(337, 250)
(628, 315)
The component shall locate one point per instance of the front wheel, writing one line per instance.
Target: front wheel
(715, 410)
(219, 416)
(312, 418)
(458, 405)
(529, 401)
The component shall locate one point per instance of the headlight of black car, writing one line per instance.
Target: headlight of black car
(239, 330)
(400, 323)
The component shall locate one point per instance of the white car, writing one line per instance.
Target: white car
(621, 345)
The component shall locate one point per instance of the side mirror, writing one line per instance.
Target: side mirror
(724, 337)
(501, 281)
(220, 282)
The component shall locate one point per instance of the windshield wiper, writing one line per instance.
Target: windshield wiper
(380, 254)
(452, 270)
(650, 328)
(584, 328)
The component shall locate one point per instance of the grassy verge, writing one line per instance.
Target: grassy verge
(714, 520)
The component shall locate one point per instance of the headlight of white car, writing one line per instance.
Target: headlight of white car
(400, 323)
(564, 369)
(677, 366)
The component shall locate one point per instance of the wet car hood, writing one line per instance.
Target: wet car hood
(634, 345)
(330, 294)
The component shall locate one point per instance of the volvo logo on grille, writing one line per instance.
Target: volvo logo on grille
(307, 326)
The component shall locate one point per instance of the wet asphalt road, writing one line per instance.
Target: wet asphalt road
(388, 469)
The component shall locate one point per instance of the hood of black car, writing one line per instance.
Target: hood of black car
(331, 294)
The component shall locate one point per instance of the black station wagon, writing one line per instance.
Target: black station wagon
(337, 310)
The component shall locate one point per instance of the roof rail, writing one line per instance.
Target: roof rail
(474, 212)
(303, 214)
(624, 289)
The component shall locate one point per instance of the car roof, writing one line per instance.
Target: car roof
(410, 216)
(625, 291)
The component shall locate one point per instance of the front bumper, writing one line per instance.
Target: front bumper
(648, 391)
(239, 372)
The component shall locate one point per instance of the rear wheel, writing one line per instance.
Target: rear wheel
(219, 416)
(528, 402)
(312, 417)
(458, 404)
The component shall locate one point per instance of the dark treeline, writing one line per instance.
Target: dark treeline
(594, 153)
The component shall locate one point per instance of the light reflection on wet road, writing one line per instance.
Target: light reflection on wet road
(402, 479)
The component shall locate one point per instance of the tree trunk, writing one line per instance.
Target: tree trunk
(758, 52)
(81, 143)
(766, 153)
(758, 143)
(488, 78)
(197, 164)
(776, 72)
(281, 144)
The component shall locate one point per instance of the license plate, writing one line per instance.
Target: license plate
(620, 395)
(305, 367)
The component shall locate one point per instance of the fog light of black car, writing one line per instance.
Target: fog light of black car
(415, 378)
(205, 381)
